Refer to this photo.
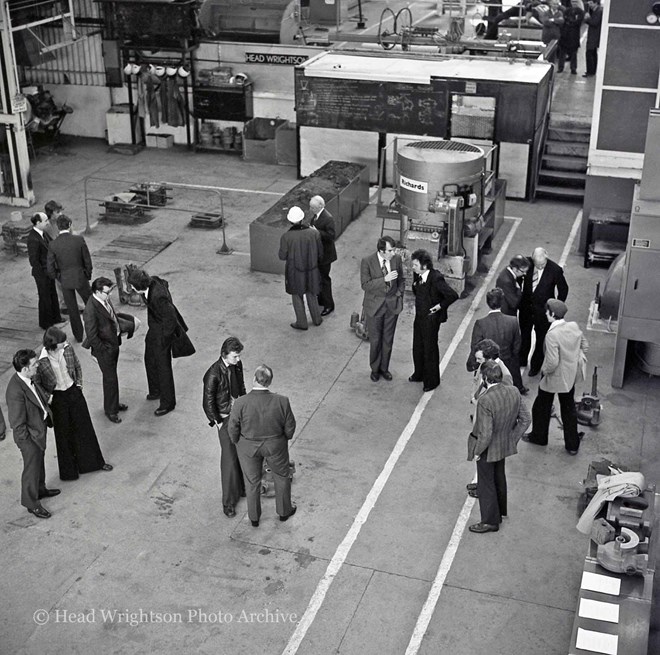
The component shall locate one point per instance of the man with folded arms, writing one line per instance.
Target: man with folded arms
(261, 424)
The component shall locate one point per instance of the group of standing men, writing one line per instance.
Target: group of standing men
(529, 297)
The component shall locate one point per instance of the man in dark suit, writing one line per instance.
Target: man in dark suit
(28, 414)
(510, 281)
(501, 419)
(381, 277)
(261, 425)
(37, 247)
(302, 250)
(504, 331)
(323, 221)
(432, 298)
(163, 321)
(104, 328)
(223, 384)
(544, 280)
(69, 262)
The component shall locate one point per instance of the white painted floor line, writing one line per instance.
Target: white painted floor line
(571, 238)
(345, 546)
(447, 560)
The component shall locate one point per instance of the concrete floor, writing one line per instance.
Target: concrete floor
(142, 560)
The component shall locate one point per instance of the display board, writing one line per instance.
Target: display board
(628, 135)
(632, 58)
(370, 105)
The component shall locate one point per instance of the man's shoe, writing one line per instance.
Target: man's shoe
(327, 310)
(122, 408)
(523, 391)
(473, 494)
(49, 493)
(288, 516)
(40, 513)
(153, 396)
(430, 388)
(161, 411)
(480, 528)
(255, 524)
(587, 74)
(295, 326)
(374, 376)
(229, 511)
(386, 375)
(533, 372)
(114, 418)
(412, 378)
(529, 438)
(107, 467)
(471, 486)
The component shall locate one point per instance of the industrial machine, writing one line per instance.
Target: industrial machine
(588, 407)
(447, 202)
(639, 311)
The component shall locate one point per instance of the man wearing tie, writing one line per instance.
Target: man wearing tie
(323, 221)
(544, 280)
(28, 414)
(103, 329)
(223, 383)
(381, 276)
(37, 247)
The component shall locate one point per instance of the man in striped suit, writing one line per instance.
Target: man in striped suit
(501, 419)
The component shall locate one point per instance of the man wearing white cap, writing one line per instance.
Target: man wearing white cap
(301, 249)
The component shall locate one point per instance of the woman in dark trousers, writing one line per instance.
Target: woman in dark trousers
(60, 374)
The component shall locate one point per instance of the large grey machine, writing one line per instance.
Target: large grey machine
(448, 202)
(639, 309)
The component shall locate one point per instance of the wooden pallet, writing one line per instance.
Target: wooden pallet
(129, 248)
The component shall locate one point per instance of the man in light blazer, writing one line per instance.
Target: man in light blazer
(381, 277)
(544, 280)
(69, 262)
(104, 328)
(323, 221)
(504, 331)
(563, 367)
(500, 420)
(29, 415)
(261, 425)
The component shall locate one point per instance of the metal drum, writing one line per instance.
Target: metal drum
(428, 169)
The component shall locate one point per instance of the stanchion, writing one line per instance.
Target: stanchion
(224, 248)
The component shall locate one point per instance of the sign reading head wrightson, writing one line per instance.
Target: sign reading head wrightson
(413, 185)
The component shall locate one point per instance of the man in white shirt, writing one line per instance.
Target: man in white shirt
(28, 414)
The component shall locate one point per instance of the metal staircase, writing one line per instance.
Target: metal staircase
(563, 171)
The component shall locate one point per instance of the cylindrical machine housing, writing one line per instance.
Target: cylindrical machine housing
(431, 169)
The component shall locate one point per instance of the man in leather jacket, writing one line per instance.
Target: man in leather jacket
(223, 383)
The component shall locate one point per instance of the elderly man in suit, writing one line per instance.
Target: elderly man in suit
(302, 250)
(223, 384)
(381, 277)
(504, 331)
(29, 415)
(104, 328)
(37, 247)
(563, 367)
(163, 319)
(432, 298)
(510, 281)
(544, 280)
(261, 425)
(69, 262)
(500, 420)
(323, 221)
